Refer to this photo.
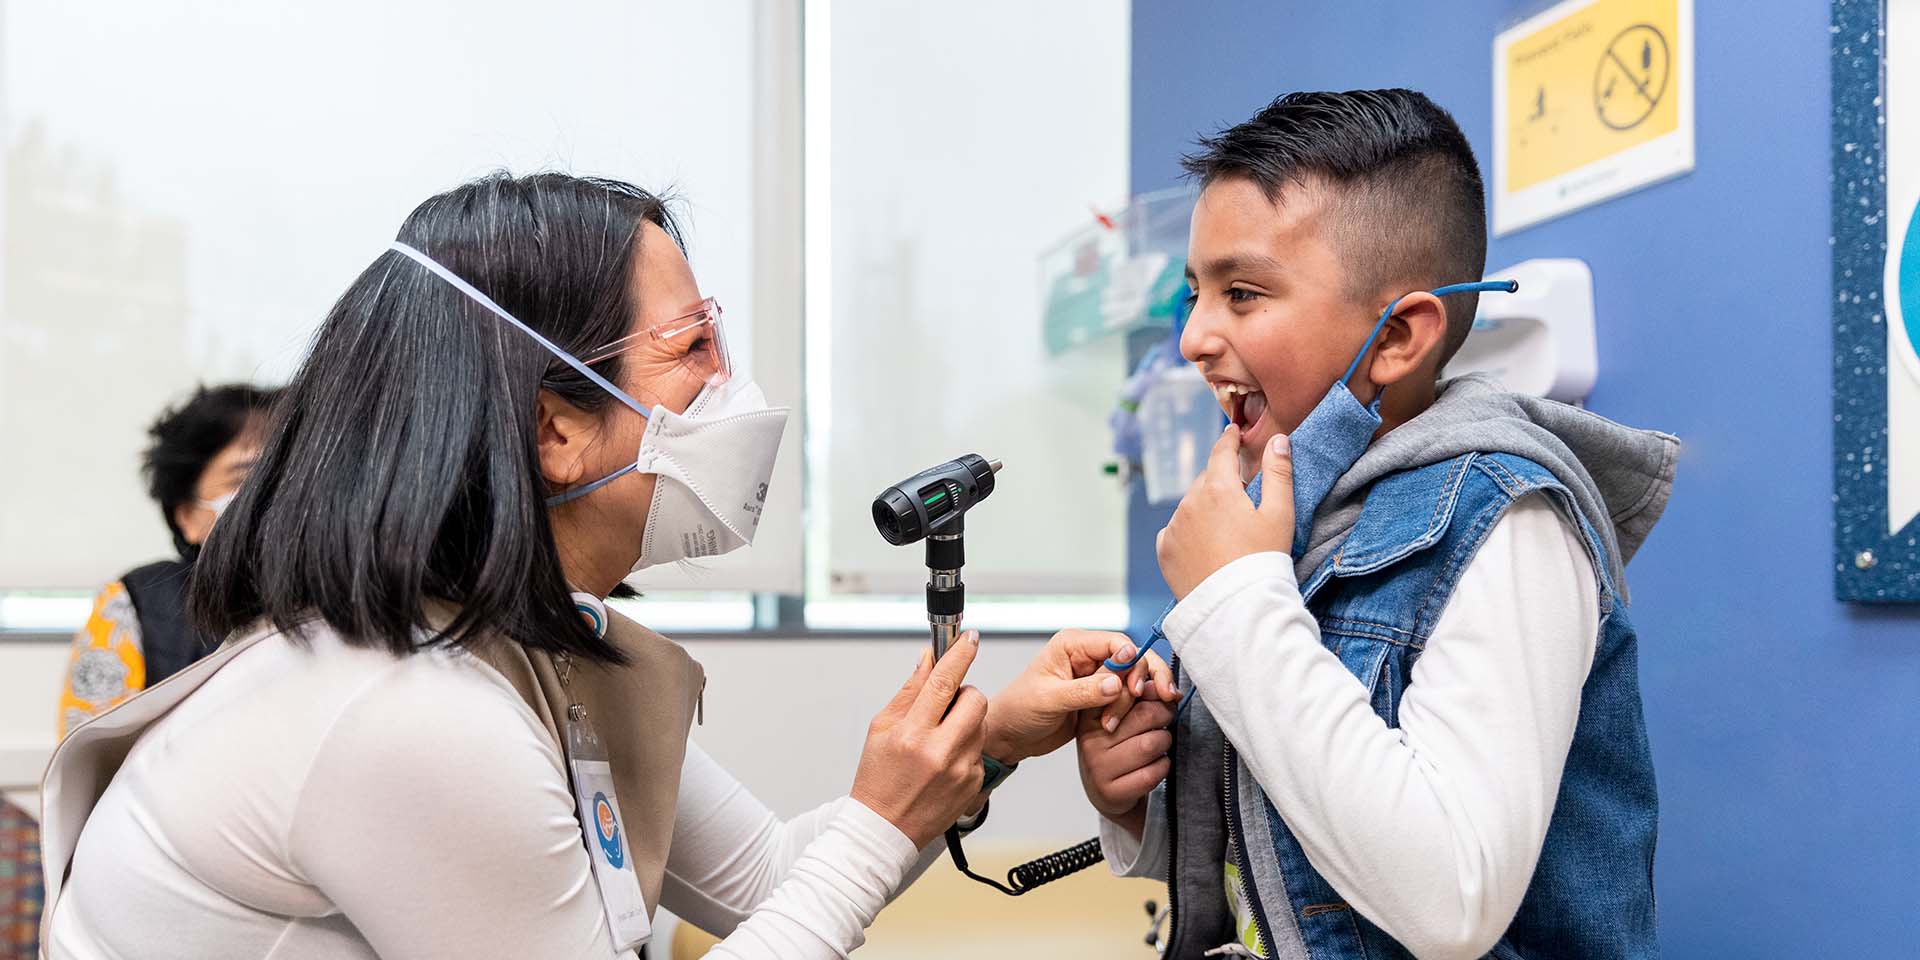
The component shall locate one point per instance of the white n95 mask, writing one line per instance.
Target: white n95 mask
(712, 463)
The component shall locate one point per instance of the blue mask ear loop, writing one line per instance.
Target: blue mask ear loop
(1483, 286)
(1480, 286)
(473, 293)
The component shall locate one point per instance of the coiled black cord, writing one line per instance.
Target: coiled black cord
(1033, 873)
(1053, 866)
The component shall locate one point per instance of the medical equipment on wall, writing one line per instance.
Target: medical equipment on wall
(1117, 273)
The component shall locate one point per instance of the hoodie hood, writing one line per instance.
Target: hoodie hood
(1620, 477)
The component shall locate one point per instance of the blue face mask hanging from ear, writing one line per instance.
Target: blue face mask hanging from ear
(1337, 431)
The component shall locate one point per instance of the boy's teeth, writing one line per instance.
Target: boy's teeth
(1226, 391)
(1236, 398)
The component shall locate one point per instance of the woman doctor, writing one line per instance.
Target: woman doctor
(422, 698)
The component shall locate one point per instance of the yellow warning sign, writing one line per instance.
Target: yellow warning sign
(1577, 89)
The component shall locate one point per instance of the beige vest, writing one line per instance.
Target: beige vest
(642, 712)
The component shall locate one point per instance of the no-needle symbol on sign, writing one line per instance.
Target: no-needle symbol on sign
(1631, 77)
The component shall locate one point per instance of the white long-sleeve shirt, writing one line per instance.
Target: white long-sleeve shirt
(1431, 830)
(339, 802)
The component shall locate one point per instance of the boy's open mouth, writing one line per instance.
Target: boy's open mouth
(1243, 404)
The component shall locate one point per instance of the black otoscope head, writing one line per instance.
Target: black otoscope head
(927, 501)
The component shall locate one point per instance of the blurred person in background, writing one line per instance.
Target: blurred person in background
(138, 633)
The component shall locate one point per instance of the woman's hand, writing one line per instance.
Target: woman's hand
(1034, 715)
(921, 765)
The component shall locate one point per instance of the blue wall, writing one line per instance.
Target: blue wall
(1783, 723)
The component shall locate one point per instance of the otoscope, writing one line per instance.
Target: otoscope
(933, 504)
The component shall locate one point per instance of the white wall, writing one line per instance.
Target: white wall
(30, 677)
(788, 719)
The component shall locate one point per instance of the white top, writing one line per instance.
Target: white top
(1431, 830)
(339, 802)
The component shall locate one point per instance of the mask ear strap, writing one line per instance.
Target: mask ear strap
(578, 492)
(1480, 286)
(1368, 345)
(482, 299)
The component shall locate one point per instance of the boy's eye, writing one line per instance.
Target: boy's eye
(1237, 295)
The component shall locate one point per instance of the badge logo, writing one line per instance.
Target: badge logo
(607, 829)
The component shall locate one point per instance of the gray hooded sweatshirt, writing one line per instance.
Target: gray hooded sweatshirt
(1621, 477)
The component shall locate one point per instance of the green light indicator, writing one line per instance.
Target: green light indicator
(936, 498)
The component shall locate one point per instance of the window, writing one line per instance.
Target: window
(195, 225)
(948, 146)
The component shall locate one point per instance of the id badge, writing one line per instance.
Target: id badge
(612, 860)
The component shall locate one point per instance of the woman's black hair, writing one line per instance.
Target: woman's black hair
(401, 465)
(187, 437)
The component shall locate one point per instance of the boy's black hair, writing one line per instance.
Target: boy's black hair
(1407, 203)
(187, 437)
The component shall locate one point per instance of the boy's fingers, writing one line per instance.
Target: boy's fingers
(1147, 715)
(1146, 748)
(943, 684)
(1110, 716)
(1140, 782)
(1131, 754)
(1163, 685)
(1225, 458)
(1277, 463)
(1151, 677)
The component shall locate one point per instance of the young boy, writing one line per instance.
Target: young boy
(1412, 724)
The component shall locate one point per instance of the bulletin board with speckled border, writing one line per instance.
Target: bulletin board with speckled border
(1876, 301)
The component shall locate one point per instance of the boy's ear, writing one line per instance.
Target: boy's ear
(563, 435)
(1410, 341)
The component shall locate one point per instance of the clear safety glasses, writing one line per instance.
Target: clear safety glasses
(697, 335)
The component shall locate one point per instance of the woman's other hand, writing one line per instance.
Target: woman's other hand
(1035, 714)
(921, 765)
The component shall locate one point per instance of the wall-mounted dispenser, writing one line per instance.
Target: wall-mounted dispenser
(1538, 340)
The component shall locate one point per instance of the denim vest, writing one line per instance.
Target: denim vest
(1376, 600)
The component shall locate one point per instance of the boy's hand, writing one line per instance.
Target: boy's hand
(1217, 524)
(1148, 678)
(1120, 768)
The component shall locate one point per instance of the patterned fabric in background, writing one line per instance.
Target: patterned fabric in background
(21, 893)
(107, 665)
